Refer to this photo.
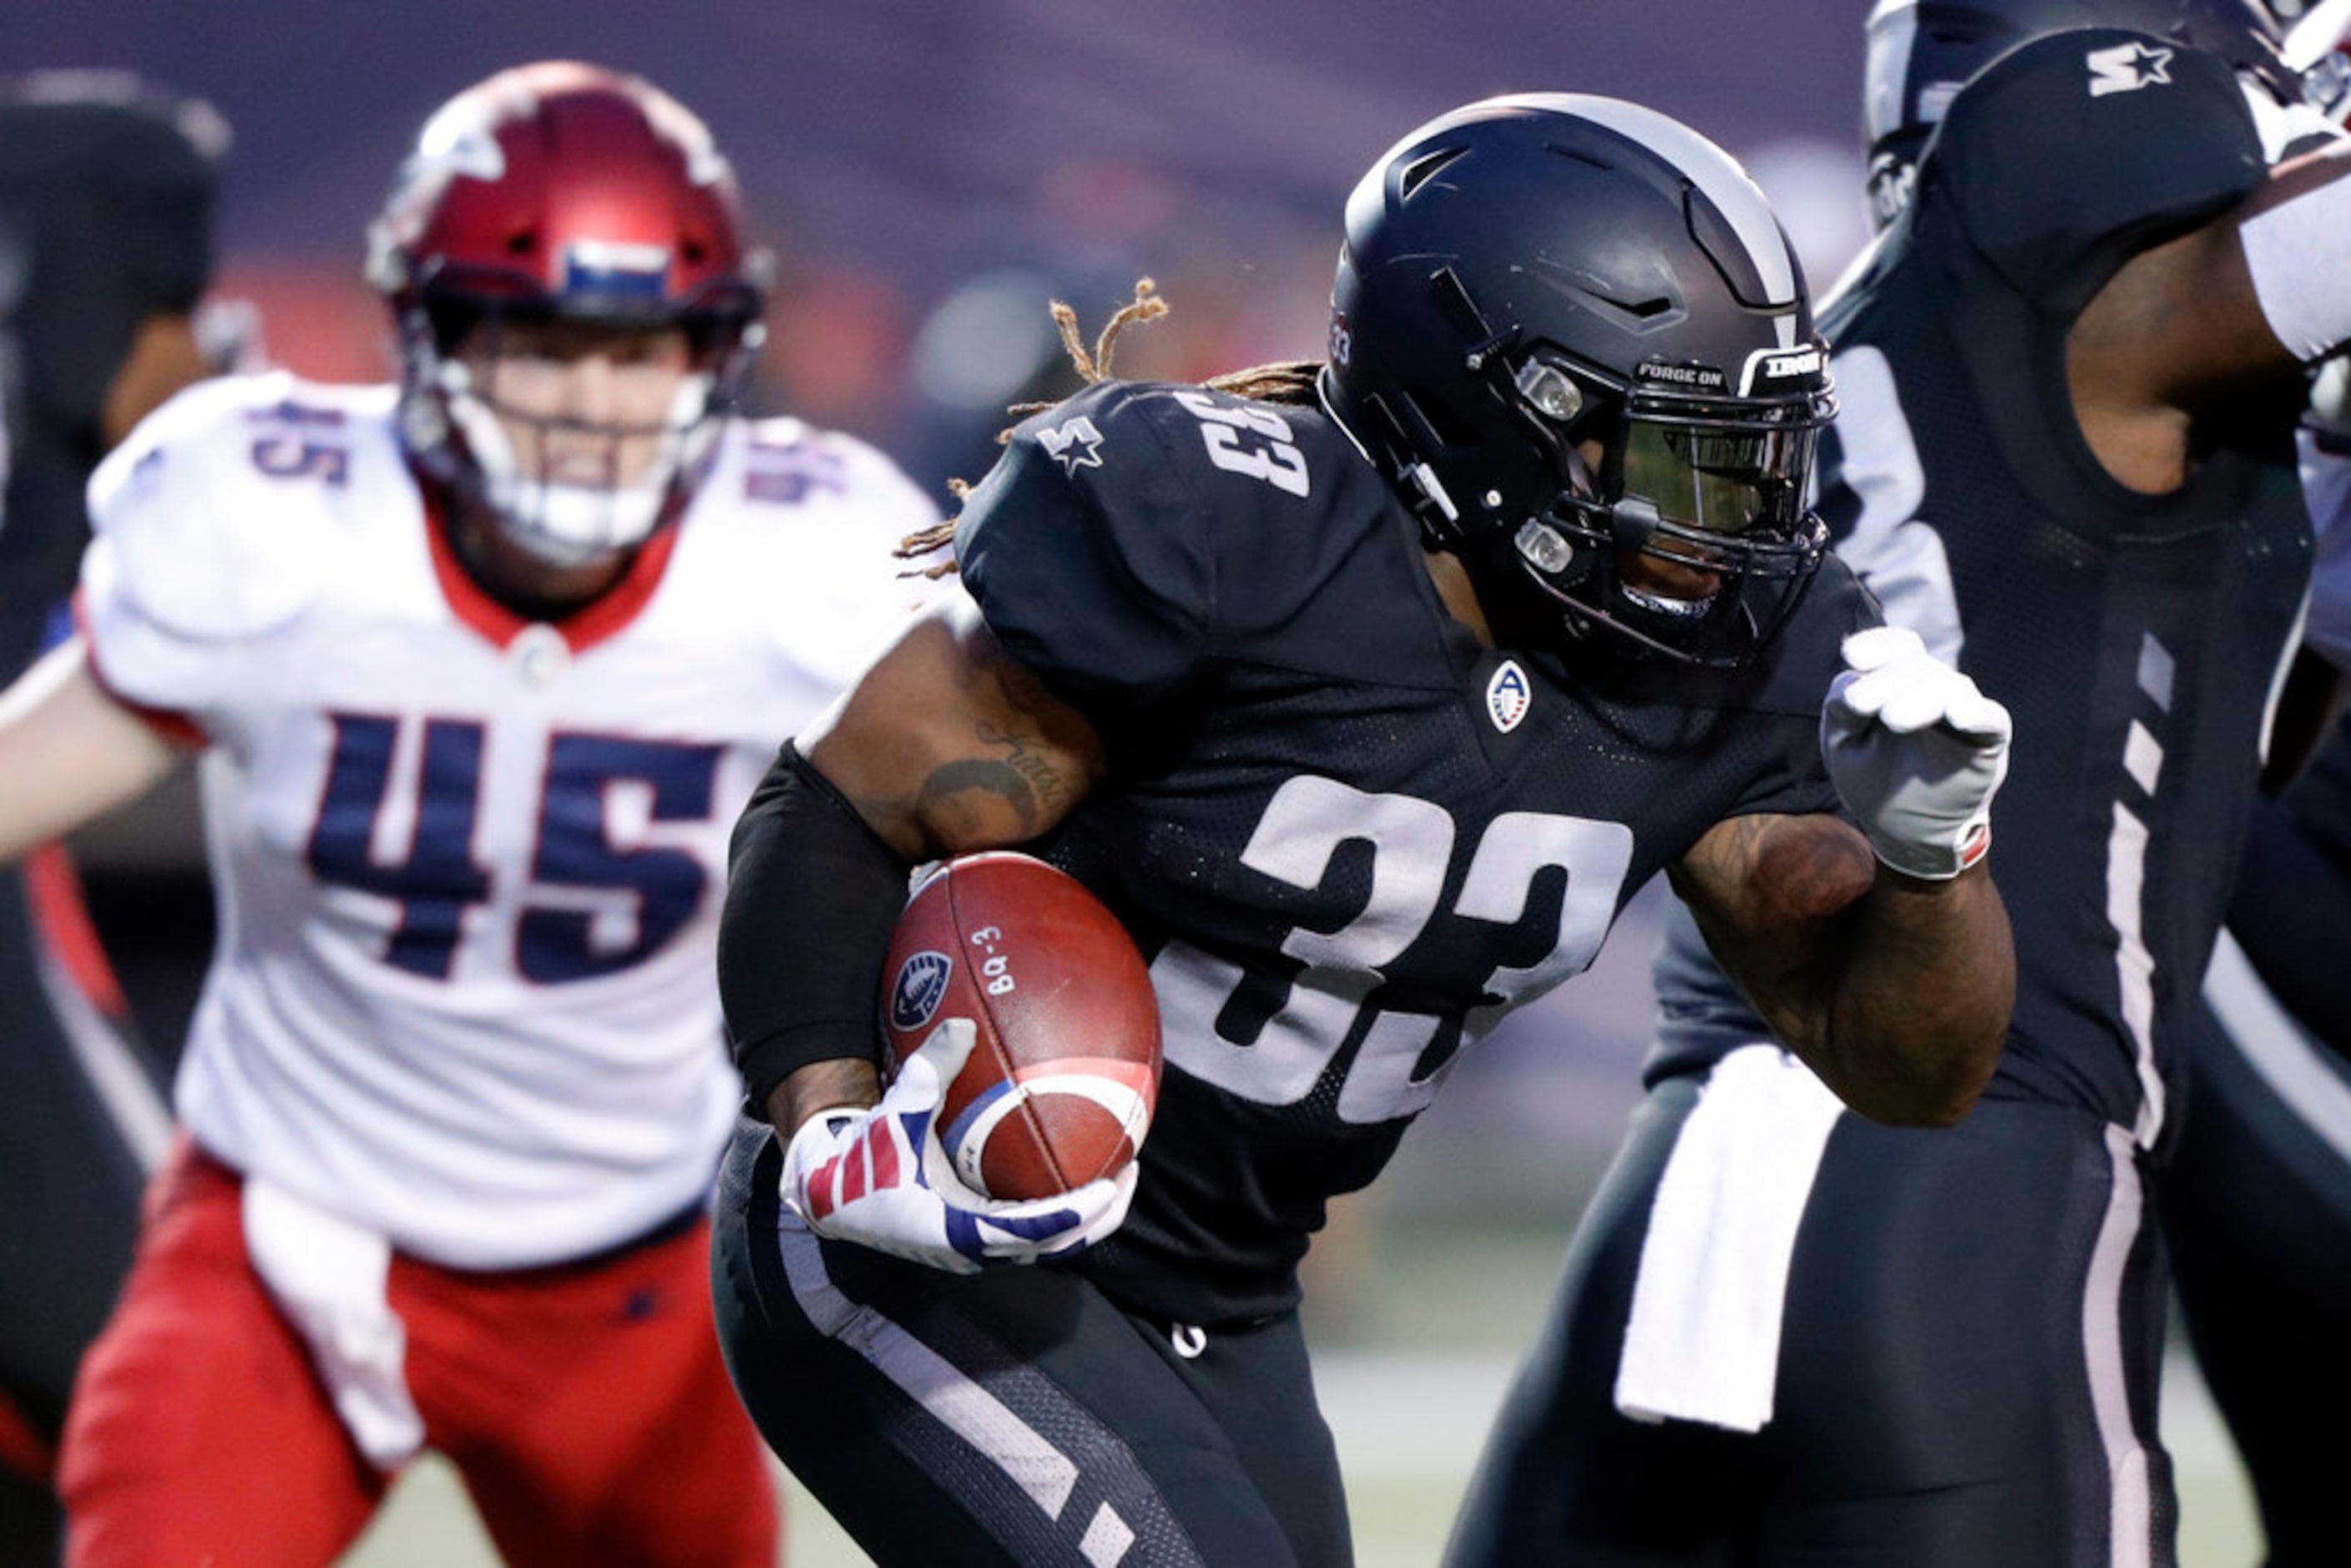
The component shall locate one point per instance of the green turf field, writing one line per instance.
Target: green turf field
(1415, 1342)
(1406, 1428)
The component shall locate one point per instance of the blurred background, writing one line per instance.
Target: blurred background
(929, 173)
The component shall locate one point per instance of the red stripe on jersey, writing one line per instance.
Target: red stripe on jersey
(609, 612)
(885, 1156)
(618, 605)
(61, 917)
(176, 727)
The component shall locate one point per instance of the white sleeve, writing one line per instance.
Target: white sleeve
(1896, 553)
(2298, 254)
(872, 592)
(190, 564)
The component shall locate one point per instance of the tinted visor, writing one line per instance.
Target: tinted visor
(1734, 480)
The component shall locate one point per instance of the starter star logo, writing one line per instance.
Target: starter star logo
(2126, 67)
(1075, 442)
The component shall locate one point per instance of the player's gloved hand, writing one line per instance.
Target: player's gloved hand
(1916, 751)
(877, 1176)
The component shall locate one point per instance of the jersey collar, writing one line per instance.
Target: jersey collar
(602, 617)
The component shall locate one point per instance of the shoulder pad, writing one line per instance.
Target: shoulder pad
(1136, 529)
(816, 519)
(1142, 448)
(1090, 564)
(788, 462)
(220, 514)
(2071, 153)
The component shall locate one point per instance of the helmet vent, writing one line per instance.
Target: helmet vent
(521, 243)
(1641, 309)
(1417, 173)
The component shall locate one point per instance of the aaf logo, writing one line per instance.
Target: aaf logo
(1507, 696)
(1075, 442)
(2126, 67)
(921, 986)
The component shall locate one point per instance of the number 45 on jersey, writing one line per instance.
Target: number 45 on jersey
(557, 937)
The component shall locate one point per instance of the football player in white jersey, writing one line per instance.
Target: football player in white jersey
(482, 667)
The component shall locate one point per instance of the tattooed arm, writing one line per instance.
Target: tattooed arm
(1895, 990)
(944, 747)
(947, 746)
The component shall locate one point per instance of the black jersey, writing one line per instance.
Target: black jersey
(105, 219)
(1347, 836)
(2136, 638)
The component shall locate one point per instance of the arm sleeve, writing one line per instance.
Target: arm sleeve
(2071, 153)
(812, 898)
(1091, 558)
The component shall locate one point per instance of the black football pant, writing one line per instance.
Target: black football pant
(1017, 1417)
(2257, 1210)
(1964, 1371)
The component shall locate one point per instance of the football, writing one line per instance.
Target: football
(1064, 1075)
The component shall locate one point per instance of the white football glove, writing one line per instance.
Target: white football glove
(877, 1176)
(1916, 751)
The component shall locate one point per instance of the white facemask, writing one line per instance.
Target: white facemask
(568, 524)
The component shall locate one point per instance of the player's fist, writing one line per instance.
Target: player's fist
(877, 1176)
(1916, 751)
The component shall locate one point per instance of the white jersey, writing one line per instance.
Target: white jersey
(469, 868)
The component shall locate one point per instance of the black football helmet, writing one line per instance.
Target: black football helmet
(1920, 52)
(1527, 275)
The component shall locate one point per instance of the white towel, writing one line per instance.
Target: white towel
(1702, 1342)
(329, 1277)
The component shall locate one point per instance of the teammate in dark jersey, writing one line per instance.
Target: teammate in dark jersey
(2257, 1201)
(106, 193)
(1366, 713)
(2070, 372)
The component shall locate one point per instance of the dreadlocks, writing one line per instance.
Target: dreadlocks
(1288, 381)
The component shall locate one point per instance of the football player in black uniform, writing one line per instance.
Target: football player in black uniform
(2257, 1200)
(2071, 369)
(106, 194)
(1366, 694)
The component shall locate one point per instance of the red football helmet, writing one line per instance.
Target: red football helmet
(562, 191)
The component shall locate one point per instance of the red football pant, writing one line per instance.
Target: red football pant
(586, 1407)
